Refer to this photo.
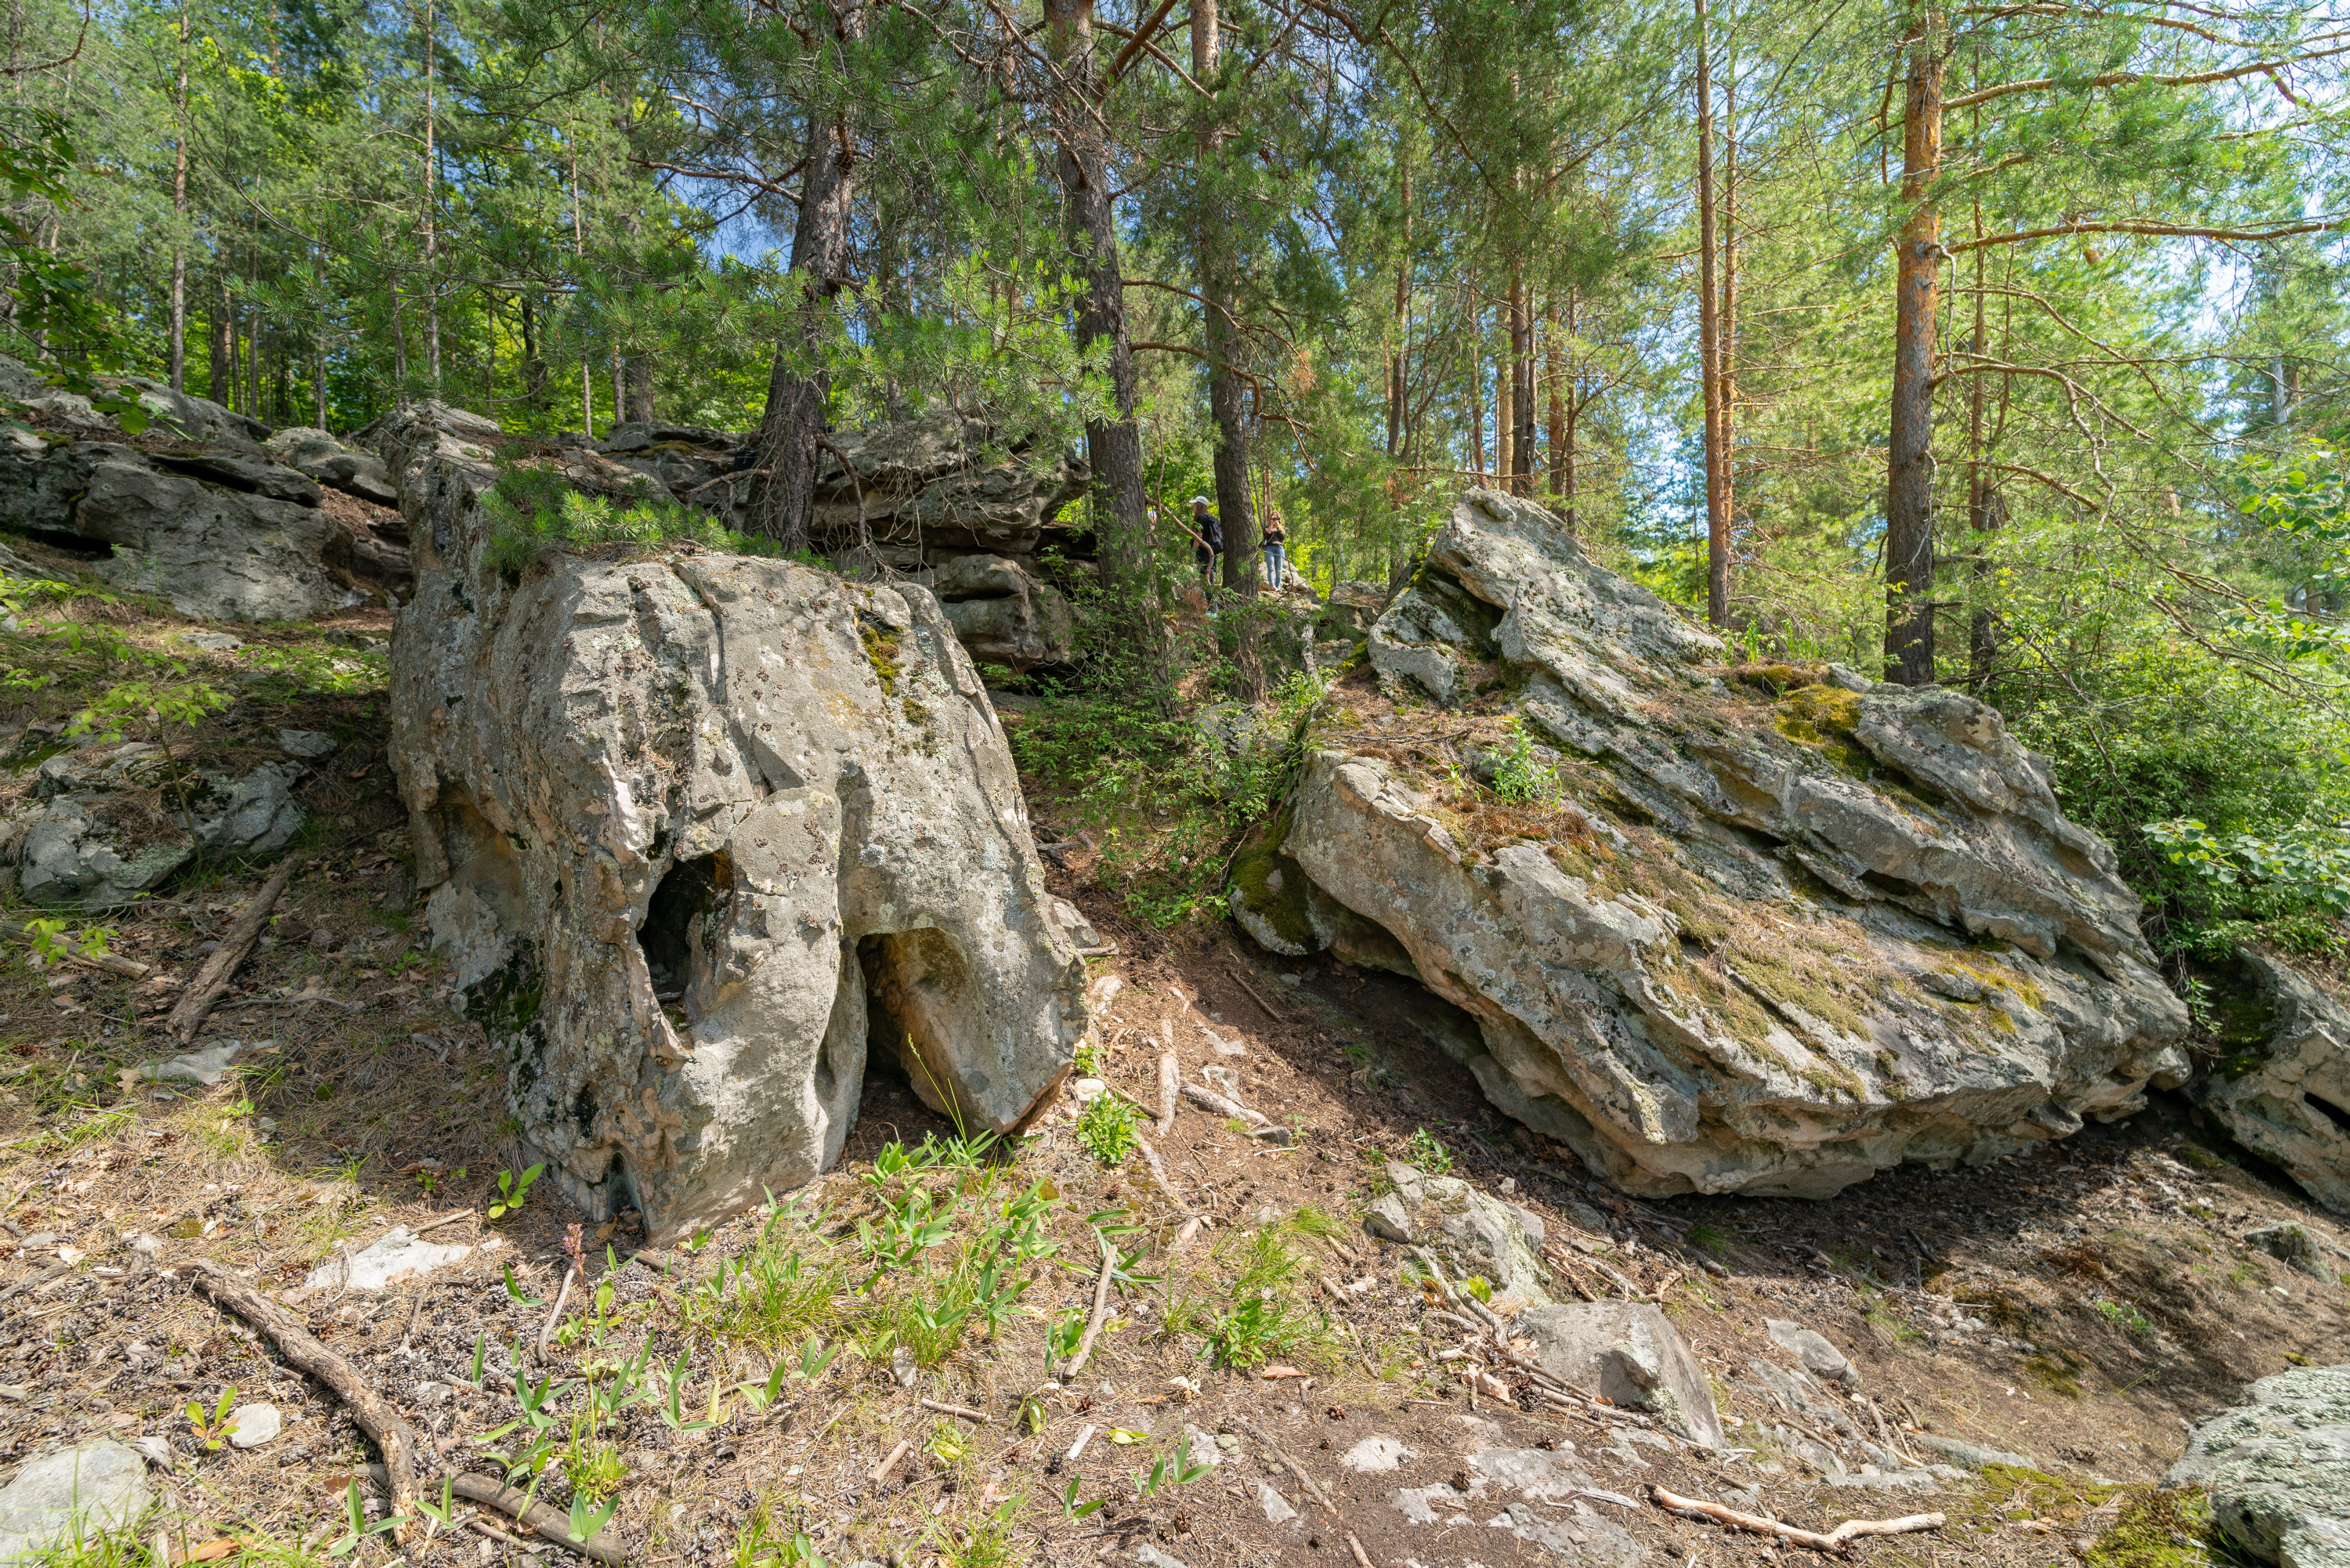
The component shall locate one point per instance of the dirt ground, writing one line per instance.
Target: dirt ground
(2076, 1307)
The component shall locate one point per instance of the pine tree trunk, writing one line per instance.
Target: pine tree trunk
(799, 387)
(1983, 504)
(179, 218)
(431, 227)
(1521, 390)
(1708, 334)
(1909, 470)
(1113, 446)
(1226, 391)
(1555, 372)
(1397, 412)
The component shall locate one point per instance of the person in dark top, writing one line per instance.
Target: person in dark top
(1207, 532)
(1272, 538)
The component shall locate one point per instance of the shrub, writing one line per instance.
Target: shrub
(533, 511)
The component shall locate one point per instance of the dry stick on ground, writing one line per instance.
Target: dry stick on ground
(551, 1523)
(1234, 970)
(966, 1411)
(1428, 1260)
(562, 1296)
(36, 1280)
(1362, 1558)
(376, 1416)
(889, 1466)
(1094, 1324)
(1833, 1540)
(1170, 1084)
(1313, 1487)
(415, 1311)
(1209, 1100)
(1159, 1174)
(129, 968)
(212, 979)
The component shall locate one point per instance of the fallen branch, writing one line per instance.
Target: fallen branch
(393, 1435)
(1313, 1487)
(1209, 1100)
(1171, 1083)
(1249, 990)
(966, 1411)
(1159, 1174)
(1833, 1540)
(889, 1466)
(129, 968)
(1094, 1325)
(549, 1523)
(212, 979)
(35, 1281)
(1362, 1559)
(1428, 1260)
(562, 1297)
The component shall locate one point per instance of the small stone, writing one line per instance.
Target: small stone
(902, 1368)
(1819, 1358)
(1388, 1221)
(1376, 1453)
(85, 1491)
(156, 1451)
(306, 743)
(251, 1426)
(1276, 1507)
(432, 1392)
(397, 1254)
(207, 1066)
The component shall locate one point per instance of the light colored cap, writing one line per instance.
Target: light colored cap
(1199, 501)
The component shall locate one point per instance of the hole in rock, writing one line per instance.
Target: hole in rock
(673, 920)
(2329, 1110)
(71, 544)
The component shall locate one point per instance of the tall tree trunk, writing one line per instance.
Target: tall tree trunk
(217, 344)
(640, 388)
(1505, 376)
(1113, 445)
(1397, 411)
(432, 225)
(180, 217)
(534, 368)
(1555, 371)
(1909, 464)
(1709, 337)
(1522, 385)
(579, 262)
(1227, 394)
(1727, 343)
(799, 389)
(1984, 508)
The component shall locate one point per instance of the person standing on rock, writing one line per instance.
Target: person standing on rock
(1273, 539)
(1207, 537)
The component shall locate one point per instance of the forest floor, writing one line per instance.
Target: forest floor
(741, 1399)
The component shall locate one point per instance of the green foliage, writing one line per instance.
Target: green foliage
(1107, 1127)
(513, 1191)
(213, 1428)
(1522, 778)
(533, 511)
(1425, 1150)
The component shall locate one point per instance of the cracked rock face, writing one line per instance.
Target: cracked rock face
(1727, 932)
(2283, 1089)
(693, 828)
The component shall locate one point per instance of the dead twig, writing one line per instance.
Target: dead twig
(1313, 1487)
(1362, 1559)
(966, 1411)
(562, 1296)
(1249, 990)
(129, 968)
(889, 1466)
(1834, 1541)
(1085, 1350)
(1159, 1174)
(548, 1524)
(1170, 1085)
(212, 979)
(1209, 1100)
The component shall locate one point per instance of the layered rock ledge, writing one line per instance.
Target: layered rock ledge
(691, 826)
(1722, 929)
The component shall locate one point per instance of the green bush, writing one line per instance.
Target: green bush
(533, 511)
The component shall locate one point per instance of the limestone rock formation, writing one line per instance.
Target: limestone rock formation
(2277, 1469)
(1630, 1352)
(2280, 1085)
(176, 413)
(323, 458)
(223, 532)
(1477, 1233)
(1001, 614)
(692, 827)
(113, 822)
(1761, 931)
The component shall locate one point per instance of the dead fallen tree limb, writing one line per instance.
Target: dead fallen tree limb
(1085, 1350)
(128, 969)
(212, 979)
(398, 1441)
(1159, 1174)
(1834, 1541)
(1209, 1100)
(1171, 1083)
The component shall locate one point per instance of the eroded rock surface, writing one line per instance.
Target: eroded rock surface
(1630, 1352)
(1001, 613)
(2281, 1082)
(1763, 931)
(2277, 1469)
(692, 827)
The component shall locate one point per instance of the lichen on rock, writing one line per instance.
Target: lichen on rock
(1763, 929)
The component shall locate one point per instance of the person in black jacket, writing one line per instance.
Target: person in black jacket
(1274, 536)
(1207, 532)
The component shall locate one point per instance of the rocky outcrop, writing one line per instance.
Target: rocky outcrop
(1630, 1352)
(1479, 1234)
(110, 823)
(692, 827)
(321, 457)
(1723, 930)
(177, 413)
(1002, 615)
(2278, 1469)
(222, 533)
(2280, 1081)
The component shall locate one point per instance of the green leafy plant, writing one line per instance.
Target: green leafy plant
(354, 1514)
(536, 510)
(1107, 1127)
(512, 1193)
(1175, 1469)
(1425, 1151)
(1524, 779)
(213, 1428)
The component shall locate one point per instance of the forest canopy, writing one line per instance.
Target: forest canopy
(1997, 344)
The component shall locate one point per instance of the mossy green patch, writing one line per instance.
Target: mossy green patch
(880, 650)
(1272, 886)
(1823, 718)
(2159, 1527)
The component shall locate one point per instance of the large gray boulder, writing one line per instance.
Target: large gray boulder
(71, 1498)
(1759, 935)
(320, 456)
(692, 827)
(1000, 614)
(2277, 1469)
(1630, 1352)
(2281, 1081)
(103, 833)
(169, 412)
(1477, 1233)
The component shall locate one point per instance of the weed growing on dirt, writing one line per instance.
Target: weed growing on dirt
(1428, 1153)
(1105, 1127)
(2160, 1528)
